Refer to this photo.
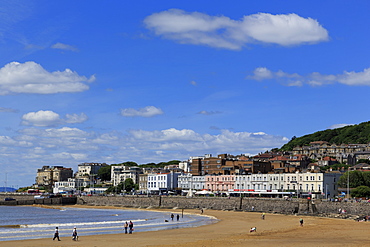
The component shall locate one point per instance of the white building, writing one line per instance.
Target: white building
(188, 181)
(121, 173)
(185, 166)
(89, 169)
(70, 186)
(316, 185)
(162, 182)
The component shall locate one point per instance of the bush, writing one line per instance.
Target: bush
(361, 191)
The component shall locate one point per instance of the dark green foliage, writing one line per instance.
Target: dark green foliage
(356, 178)
(161, 164)
(125, 186)
(104, 173)
(127, 163)
(359, 134)
(334, 167)
(361, 191)
(363, 161)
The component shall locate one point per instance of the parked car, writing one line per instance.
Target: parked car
(9, 199)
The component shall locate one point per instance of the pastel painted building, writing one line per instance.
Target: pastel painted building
(219, 183)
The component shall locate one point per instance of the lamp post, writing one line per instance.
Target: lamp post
(348, 183)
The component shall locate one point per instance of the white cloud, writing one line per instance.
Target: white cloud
(50, 118)
(313, 79)
(336, 126)
(148, 111)
(75, 118)
(30, 77)
(223, 32)
(70, 146)
(209, 112)
(62, 46)
(41, 118)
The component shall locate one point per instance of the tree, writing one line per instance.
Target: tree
(104, 173)
(356, 179)
(129, 184)
(361, 191)
(367, 161)
(366, 176)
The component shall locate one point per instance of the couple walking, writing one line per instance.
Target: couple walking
(74, 234)
(130, 226)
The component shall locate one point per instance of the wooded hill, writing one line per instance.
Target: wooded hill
(353, 134)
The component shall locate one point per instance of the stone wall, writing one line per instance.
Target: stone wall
(223, 203)
(30, 200)
(270, 205)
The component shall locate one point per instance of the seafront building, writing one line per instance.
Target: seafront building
(316, 185)
(265, 173)
(187, 181)
(48, 175)
(120, 173)
(72, 186)
(162, 182)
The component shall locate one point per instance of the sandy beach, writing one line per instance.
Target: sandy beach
(231, 229)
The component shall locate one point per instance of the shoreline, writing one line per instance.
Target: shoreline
(231, 229)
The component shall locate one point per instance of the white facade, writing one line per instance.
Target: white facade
(187, 181)
(314, 184)
(89, 168)
(70, 186)
(162, 181)
(185, 166)
(121, 173)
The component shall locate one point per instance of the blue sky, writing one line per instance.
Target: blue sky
(151, 81)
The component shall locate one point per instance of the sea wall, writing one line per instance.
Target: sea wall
(271, 205)
(218, 203)
(30, 200)
(294, 206)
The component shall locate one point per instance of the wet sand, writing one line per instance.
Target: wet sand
(232, 230)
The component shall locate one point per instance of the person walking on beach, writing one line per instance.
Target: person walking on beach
(131, 227)
(172, 216)
(125, 226)
(301, 222)
(56, 234)
(74, 234)
(178, 217)
(263, 216)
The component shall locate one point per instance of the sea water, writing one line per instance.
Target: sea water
(22, 222)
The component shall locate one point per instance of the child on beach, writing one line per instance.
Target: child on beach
(253, 229)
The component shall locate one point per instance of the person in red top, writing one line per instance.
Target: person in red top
(131, 227)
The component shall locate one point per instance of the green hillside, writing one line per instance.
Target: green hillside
(359, 133)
